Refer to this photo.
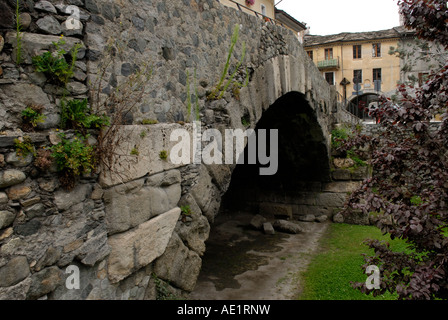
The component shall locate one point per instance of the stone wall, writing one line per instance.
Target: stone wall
(123, 229)
(309, 201)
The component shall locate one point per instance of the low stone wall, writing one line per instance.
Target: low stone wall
(320, 203)
(375, 129)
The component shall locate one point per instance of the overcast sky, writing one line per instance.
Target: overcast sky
(336, 16)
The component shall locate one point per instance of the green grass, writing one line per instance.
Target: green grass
(340, 261)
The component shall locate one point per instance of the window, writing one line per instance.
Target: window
(377, 74)
(263, 9)
(357, 76)
(377, 79)
(328, 53)
(310, 54)
(329, 76)
(376, 50)
(357, 52)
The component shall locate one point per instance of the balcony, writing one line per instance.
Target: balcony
(328, 64)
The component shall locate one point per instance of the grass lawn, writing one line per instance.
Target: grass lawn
(339, 262)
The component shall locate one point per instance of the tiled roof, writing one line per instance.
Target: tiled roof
(397, 32)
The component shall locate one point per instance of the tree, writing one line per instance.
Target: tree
(408, 190)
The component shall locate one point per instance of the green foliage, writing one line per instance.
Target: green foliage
(135, 152)
(331, 271)
(163, 155)
(32, 115)
(338, 136)
(162, 289)
(24, 146)
(53, 64)
(358, 161)
(18, 35)
(188, 97)
(245, 122)
(221, 88)
(185, 210)
(149, 121)
(143, 133)
(75, 114)
(196, 98)
(74, 156)
(416, 200)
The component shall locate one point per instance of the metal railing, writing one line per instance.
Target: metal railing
(258, 14)
(328, 63)
(357, 110)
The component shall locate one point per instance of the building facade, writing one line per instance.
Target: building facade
(418, 58)
(362, 66)
(263, 7)
(357, 64)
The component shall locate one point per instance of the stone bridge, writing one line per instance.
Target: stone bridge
(124, 228)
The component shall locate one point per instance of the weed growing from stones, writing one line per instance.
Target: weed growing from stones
(53, 64)
(18, 35)
(73, 157)
(32, 116)
(163, 155)
(24, 146)
(118, 105)
(221, 88)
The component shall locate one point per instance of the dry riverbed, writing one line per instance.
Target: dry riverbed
(245, 264)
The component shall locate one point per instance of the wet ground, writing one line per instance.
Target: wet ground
(245, 264)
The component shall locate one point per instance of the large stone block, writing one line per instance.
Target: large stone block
(287, 227)
(341, 174)
(129, 167)
(135, 202)
(140, 246)
(66, 199)
(44, 281)
(16, 292)
(14, 271)
(11, 177)
(276, 210)
(357, 217)
(273, 78)
(343, 186)
(331, 199)
(35, 44)
(6, 218)
(178, 265)
(304, 198)
(360, 173)
(206, 195)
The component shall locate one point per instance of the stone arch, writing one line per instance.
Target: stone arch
(363, 102)
(303, 160)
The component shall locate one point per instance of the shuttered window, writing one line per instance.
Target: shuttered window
(357, 52)
(376, 50)
(329, 54)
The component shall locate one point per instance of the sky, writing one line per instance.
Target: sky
(326, 17)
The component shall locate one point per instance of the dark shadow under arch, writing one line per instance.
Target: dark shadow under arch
(303, 161)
